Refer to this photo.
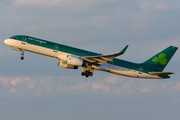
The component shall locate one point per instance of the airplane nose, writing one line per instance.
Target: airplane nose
(5, 41)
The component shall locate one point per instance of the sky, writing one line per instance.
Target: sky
(38, 89)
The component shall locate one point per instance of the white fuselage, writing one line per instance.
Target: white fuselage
(54, 53)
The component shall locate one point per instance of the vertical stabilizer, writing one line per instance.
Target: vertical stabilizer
(160, 60)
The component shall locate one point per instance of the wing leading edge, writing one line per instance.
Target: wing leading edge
(103, 58)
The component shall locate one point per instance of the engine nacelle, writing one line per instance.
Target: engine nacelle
(71, 60)
(64, 64)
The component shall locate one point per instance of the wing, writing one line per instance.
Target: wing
(103, 58)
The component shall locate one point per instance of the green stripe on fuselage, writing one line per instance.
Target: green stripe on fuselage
(79, 52)
(51, 45)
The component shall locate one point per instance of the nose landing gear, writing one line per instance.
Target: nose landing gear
(22, 58)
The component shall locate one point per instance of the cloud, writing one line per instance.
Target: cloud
(126, 85)
(176, 101)
(149, 6)
(99, 21)
(39, 3)
(30, 85)
(164, 86)
(125, 88)
(14, 81)
(97, 86)
(81, 86)
(60, 87)
(162, 6)
(144, 89)
(71, 6)
(112, 79)
(4, 80)
(110, 84)
(3, 102)
(177, 86)
(19, 79)
(13, 90)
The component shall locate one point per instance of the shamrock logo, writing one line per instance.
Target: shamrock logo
(161, 59)
(123, 51)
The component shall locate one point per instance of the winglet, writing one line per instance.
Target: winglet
(123, 51)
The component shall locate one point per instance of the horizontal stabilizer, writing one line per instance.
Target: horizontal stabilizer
(161, 73)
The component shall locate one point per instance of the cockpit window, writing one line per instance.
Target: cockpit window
(13, 38)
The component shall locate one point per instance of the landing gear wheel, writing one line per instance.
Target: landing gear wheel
(90, 74)
(87, 74)
(22, 58)
(82, 73)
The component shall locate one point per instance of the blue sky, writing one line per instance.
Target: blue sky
(37, 88)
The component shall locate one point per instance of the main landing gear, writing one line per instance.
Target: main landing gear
(22, 58)
(87, 71)
(87, 74)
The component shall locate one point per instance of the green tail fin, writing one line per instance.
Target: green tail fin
(160, 60)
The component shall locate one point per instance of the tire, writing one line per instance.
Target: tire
(22, 58)
(90, 74)
(82, 73)
(87, 74)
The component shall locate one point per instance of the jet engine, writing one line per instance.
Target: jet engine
(69, 61)
(72, 60)
(64, 64)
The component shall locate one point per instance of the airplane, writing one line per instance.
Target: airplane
(72, 58)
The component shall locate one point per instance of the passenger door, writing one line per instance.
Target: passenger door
(24, 41)
(55, 48)
(140, 69)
